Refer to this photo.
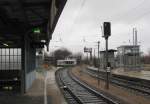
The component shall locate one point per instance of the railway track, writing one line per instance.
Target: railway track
(128, 84)
(78, 93)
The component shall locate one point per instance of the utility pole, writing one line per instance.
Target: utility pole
(94, 59)
(134, 47)
(91, 59)
(98, 64)
(135, 50)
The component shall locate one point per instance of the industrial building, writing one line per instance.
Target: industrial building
(111, 58)
(25, 26)
(128, 56)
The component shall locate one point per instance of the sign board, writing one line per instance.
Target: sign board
(87, 49)
(36, 30)
(108, 69)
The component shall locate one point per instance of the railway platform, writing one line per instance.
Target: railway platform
(143, 74)
(38, 93)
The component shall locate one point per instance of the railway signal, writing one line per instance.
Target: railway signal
(107, 29)
(106, 34)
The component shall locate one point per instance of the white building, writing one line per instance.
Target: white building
(128, 56)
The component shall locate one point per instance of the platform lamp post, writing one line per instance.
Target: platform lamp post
(106, 34)
(98, 62)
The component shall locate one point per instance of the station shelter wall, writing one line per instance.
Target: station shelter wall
(10, 68)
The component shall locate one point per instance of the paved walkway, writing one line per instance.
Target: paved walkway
(40, 91)
(33, 96)
(53, 90)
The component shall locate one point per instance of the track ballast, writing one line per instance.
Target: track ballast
(78, 93)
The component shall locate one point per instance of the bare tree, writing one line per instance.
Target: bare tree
(145, 59)
(148, 51)
(61, 53)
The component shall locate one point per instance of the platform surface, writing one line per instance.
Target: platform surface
(143, 74)
(36, 94)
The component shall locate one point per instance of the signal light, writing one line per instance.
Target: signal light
(107, 29)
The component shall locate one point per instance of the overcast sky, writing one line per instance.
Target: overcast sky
(81, 20)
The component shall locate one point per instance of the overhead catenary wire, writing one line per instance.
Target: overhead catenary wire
(77, 14)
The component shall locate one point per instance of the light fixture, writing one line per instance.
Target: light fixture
(5, 44)
(43, 41)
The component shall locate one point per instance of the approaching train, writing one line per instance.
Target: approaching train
(67, 62)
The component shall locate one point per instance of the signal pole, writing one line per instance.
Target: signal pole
(107, 73)
(107, 33)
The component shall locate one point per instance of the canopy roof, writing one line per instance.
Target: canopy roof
(24, 17)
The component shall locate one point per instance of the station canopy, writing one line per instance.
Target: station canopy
(33, 18)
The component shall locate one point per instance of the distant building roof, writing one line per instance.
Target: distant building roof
(110, 50)
(20, 18)
(128, 46)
